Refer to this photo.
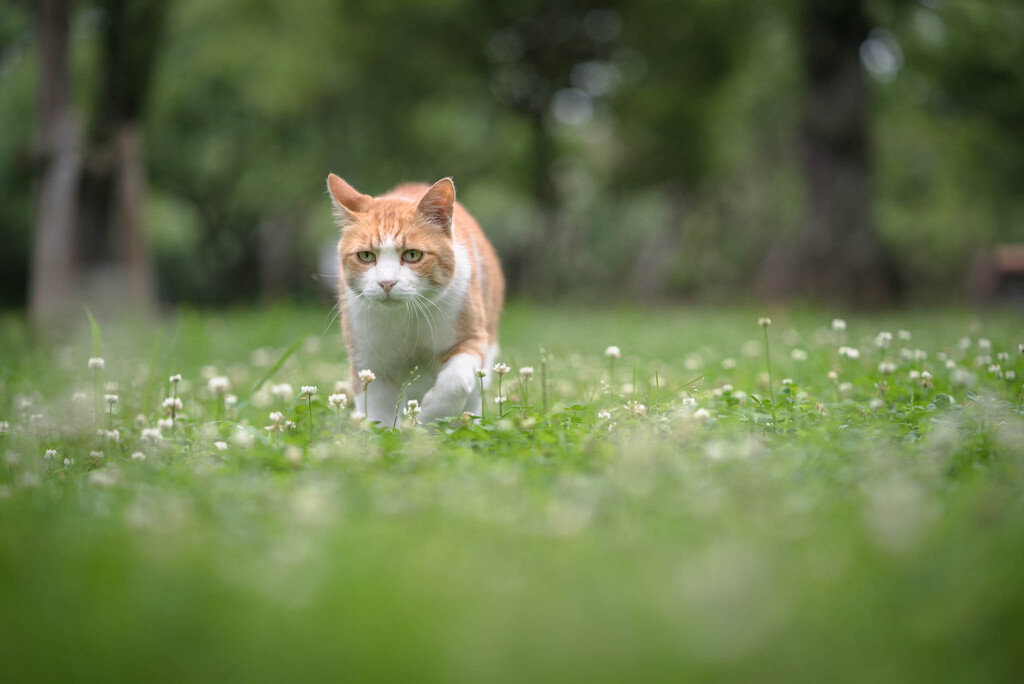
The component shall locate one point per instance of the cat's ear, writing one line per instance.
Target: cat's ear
(346, 200)
(437, 205)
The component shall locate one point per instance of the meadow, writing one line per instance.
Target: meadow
(668, 509)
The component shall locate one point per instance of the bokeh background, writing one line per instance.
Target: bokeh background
(868, 152)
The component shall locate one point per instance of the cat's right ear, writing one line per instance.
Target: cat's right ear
(347, 200)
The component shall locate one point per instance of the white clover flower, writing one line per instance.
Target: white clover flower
(1020, 347)
(914, 375)
(1010, 375)
(500, 400)
(950, 364)
(920, 355)
(69, 461)
(293, 454)
(308, 390)
(798, 355)
(838, 324)
(876, 403)
(729, 363)
(849, 353)
(501, 368)
(165, 424)
(526, 372)
(1003, 356)
(480, 373)
(173, 403)
(639, 409)
(887, 367)
(903, 335)
(174, 380)
(845, 387)
(727, 387)
(764, 322)
(962, 376)
(242, 438)
(276, 417)
(702, 414)
(833, 376)
(282, 391)
(114, 435)
(412, 408)
(218, 384)
(996, 370)
(97, 363)
(111, 399)
(612, 352)
(964, 343)
(230, 399)
(883, 339)
(221, 446)
(151, 435)
(984, 344)
(366, 376)
(603, 414)
(138, 456)
(926, 375)
(337, 401)
(787, 381)
(689, 401)
(50, 454)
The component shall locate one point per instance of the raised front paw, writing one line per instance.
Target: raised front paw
(440, 403)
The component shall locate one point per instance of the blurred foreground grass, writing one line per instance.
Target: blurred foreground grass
(874, 532)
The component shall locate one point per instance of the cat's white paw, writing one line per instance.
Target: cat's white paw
(454, 384)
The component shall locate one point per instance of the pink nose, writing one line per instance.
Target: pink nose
(386, 285)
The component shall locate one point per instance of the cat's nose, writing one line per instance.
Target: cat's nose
(386, 285)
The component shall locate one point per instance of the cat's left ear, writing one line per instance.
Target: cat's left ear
(437, 205)
(347, 201)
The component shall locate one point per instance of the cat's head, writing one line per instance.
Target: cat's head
(393, 250)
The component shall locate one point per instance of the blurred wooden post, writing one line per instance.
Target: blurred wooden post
(53, 277)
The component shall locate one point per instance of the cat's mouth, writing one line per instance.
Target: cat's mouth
(389, 300)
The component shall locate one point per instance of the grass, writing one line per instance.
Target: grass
(870, 532)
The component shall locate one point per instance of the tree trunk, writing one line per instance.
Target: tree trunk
(53, 277)
(117, 271)
(840, 256)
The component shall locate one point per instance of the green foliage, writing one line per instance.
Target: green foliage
(872, 530)
(624, 127)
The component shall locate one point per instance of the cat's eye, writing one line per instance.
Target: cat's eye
(366, 257)
(411, 256)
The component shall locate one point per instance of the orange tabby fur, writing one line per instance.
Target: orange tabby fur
(458, 273)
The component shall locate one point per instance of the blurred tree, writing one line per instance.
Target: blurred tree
(59, 149)
(840, 256)
(113, 254)
(686, 51)
(89, 242)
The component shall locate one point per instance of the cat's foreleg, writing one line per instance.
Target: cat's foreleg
(378, 401)
(455, 384)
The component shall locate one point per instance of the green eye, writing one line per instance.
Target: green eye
(367, 257)
(412, 256)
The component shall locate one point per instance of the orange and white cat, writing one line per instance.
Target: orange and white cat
(419, 286)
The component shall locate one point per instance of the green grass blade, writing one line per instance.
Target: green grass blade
(147, 392)
(280, 362)
(94, 329)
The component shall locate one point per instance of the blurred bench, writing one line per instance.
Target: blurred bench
(998, 274)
